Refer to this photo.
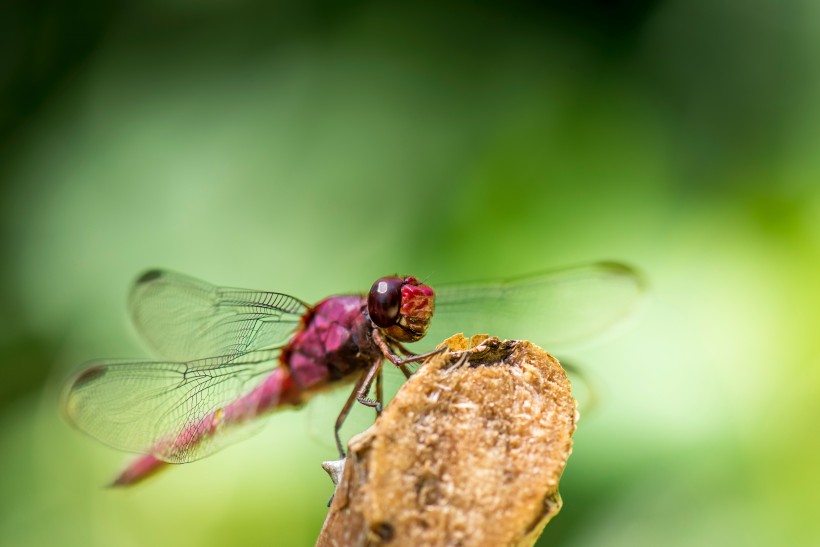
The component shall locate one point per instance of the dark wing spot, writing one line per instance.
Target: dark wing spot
(149, 276)
(619, 268)
(88, 375)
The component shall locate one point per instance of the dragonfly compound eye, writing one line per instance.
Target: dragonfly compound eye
(384, 301)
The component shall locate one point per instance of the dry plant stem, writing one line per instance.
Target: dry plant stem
(469, 452)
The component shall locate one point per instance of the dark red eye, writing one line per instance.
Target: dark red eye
(384, 301)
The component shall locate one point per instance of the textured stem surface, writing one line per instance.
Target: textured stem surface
(469, 452)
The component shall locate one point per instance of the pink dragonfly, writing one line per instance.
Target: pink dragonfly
(228, 356)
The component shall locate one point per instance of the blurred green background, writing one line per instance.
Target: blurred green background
(309, 147)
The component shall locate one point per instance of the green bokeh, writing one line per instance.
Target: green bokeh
(309, 148)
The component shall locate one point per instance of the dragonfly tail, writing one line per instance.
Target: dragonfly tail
(139, 470)
(277, 391)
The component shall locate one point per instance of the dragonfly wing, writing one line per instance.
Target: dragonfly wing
(176, 411)
(183, 318)
(552, 308)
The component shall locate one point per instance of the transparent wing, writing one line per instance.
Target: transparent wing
(178, 412)
(552, 308)
(183, 318)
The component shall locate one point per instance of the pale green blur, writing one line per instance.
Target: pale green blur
(310, 151)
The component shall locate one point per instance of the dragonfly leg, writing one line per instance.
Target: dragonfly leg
(398, 361)
(423, 356)
(379, 394)
(340, 420)
(359, 394)
(404, 350)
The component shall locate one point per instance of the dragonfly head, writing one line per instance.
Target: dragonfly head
(401, 306)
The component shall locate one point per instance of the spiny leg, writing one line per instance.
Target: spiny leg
(359, 394)
(340, 420)
(398, 361)
(379, 394)
(375, 372)
(403, 349)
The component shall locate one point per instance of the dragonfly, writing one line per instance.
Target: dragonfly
(227, 356)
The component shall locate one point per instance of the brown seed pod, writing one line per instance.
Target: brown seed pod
(469, 452)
